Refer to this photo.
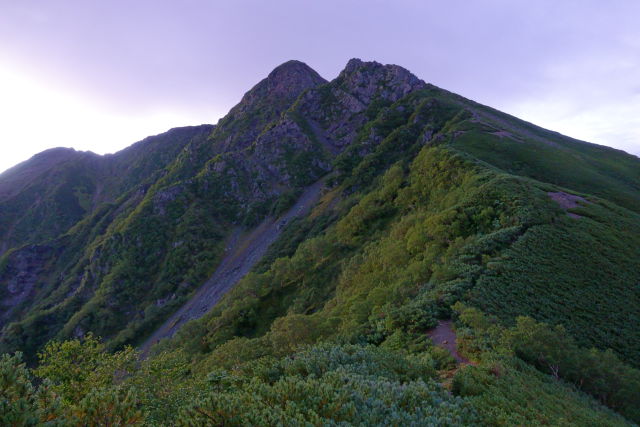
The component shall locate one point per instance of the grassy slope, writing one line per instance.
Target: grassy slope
(522, 148)
(551, 274)
(546, 258)
(421, 240)
(580, 273)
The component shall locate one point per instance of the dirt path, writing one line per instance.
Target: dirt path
(444, 336)
(243, 252)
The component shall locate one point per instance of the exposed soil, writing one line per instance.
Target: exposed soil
(444, 336)
(568, 201)
(243, 251)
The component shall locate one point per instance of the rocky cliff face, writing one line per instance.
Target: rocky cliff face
(21, 278)
(264, 103)
(367, 81)
(298, 145)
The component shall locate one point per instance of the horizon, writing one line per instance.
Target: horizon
(100, 78)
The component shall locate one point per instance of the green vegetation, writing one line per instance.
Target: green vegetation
(397, 260)
(548, 157)
(506, 391)
(438, 208)
(77, 396)
(328, 383)
(552, 351)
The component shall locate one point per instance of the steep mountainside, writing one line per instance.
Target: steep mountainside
(45, 196)
(432, 207)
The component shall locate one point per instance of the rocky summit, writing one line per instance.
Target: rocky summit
(369, 250)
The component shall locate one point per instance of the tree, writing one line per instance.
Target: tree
(21, 403)
(75, 367)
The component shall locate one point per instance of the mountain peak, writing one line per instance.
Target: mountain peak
(355, 63)
(294, 69)
(368, 79)
(282, 86)
(13, 180)
(56, 151)
(267, 100)
(288, 80)
(43, 160)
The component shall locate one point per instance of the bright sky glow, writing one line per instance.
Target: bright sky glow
(37, 115)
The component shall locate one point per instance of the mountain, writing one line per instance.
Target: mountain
(304, 249)
(48, 194)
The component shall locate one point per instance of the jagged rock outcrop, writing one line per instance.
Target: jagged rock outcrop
(296, 148)
(264, 103)
(337, 111)
(367, 81)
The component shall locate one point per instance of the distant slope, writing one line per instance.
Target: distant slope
(45, 196)
(13, 180)
(521, 148)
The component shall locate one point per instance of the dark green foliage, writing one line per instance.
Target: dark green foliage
(292, 236)
(600, 374)
(550, 349)
(109, 407)
(76, 367)
(550, 273)
(82, 400)
(329, 385)
(507, 392)
(21, 403)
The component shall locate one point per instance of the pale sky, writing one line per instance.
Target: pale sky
(100, 75)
